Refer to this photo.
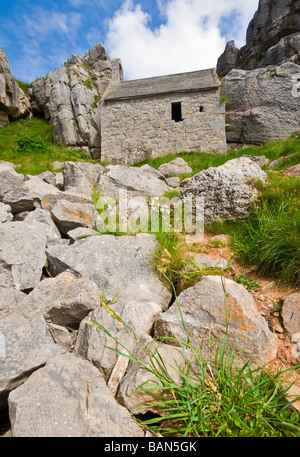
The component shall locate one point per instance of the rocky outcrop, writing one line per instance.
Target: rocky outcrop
(273, 37)
(14, 104)
(227, 190)
(70, 98)
(263, 104)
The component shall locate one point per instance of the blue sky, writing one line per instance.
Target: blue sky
(151, 37)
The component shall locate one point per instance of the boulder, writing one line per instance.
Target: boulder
(81, 232)
(70, 215)
(26, 345)
(93, 343)
(74, 171)
(22, 255)
(64, 300)
(42, 219)
(5, 213)
(290, 314)
(227, 190)
(14, 104)
(253, 114)
(13, 191)
(55, 179)
(10, 299)
(176, 167)
(136, 181)
(68, 398)
(121, 263)
(206, 314)
(207, 261)
(293, 171)
(137, 377)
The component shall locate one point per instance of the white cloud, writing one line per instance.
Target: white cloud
(188, 39)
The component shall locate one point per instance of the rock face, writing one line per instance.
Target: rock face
(273, 37)
(253, 114)
(13, 102)
(226, 190)
(70, 98)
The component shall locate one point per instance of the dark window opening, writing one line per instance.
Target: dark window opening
(201, 109)
(176, 112)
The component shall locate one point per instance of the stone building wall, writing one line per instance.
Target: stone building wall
(138, 128)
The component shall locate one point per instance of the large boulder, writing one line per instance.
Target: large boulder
(121, 264)
(210, 309)
(68, 398)
(227, 190)
(73, 172)
(13, 191)
(64, 300)
(93, 343)
(70, 98)
(22, 255)
(25, 346)
(253, 114)
(14, 104)
(176, 167)
(136, 181)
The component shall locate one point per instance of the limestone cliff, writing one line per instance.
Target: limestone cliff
(70, 98)
(273, 38)
(13, 102)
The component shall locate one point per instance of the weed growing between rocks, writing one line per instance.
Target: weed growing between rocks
(220, 396)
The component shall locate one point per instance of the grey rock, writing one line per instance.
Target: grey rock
(290, 313)
(81, 232)
(22, 255)
(120, 263)
(54, 179)
(61, 336)
(260, 160)
(228, 60)
(14, 104)
(204, 311)
(74, 171)
(177, 166)
(64, 300)
(136, 181)
(26, 346)
(173, 182)
(5, 213)
(10, 299)
(137, 377)
(206, 261)
(42, 219)
(227, 190)
(70, 215)
(39, 190)
(280, 161)
(92, 342)
(13, 191)
(68, 398)
(253, 114)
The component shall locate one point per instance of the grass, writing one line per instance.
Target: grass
(270, 237)
(29, 143)
(217, 397)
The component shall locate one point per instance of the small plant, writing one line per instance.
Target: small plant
(249, 284)
(27, 143)
(224, 98)
(97, 98)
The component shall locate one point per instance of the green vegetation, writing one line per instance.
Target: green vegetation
(24, 86)
(29, 143)
(217, 397)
